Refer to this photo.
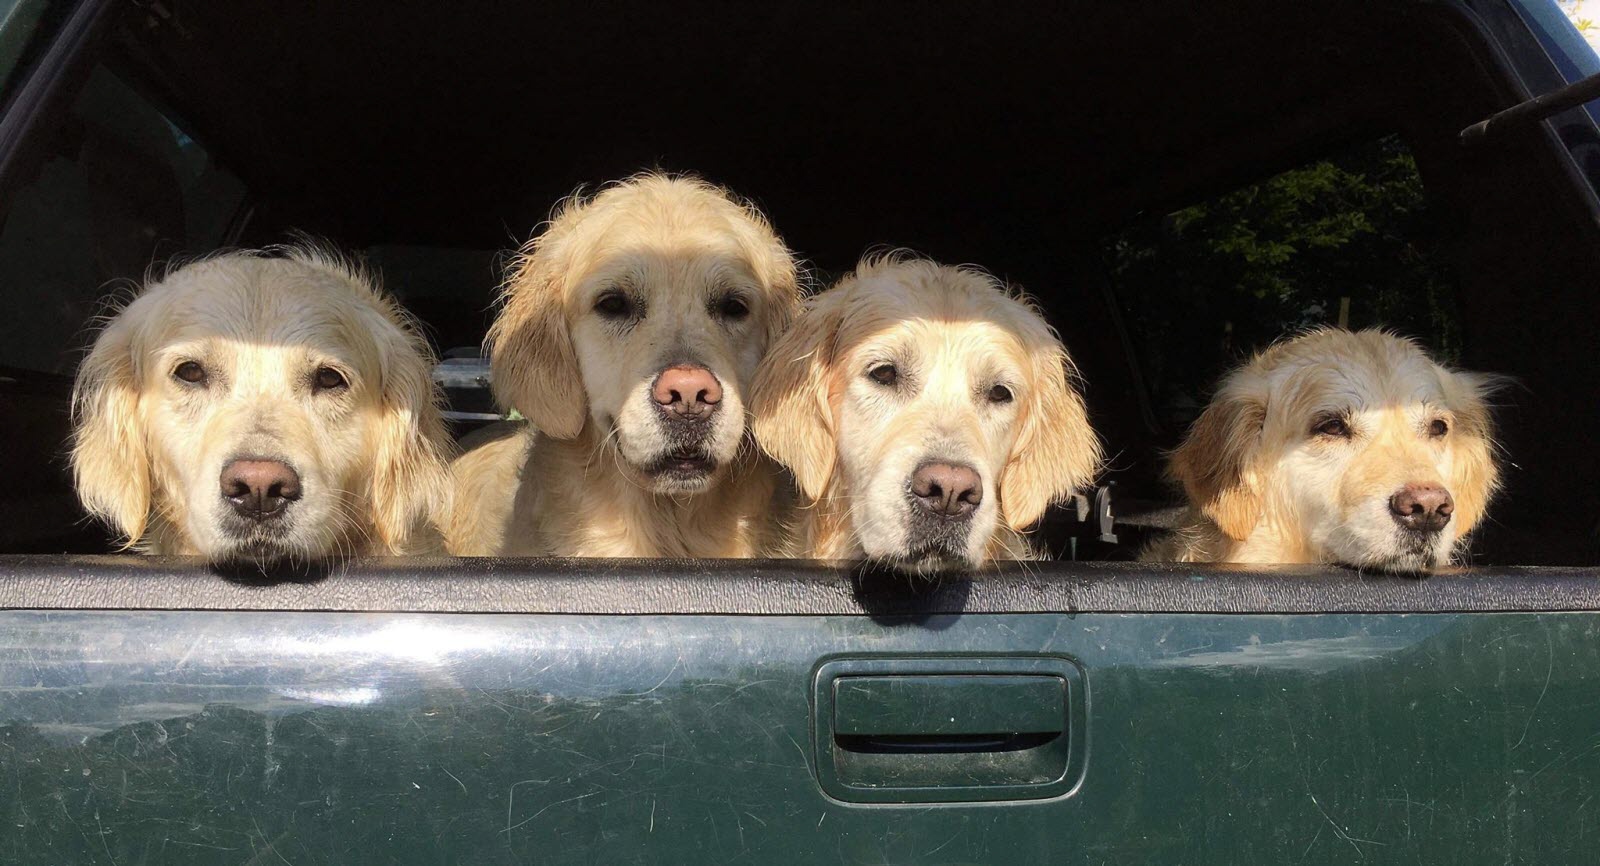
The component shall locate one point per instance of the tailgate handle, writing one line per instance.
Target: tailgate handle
(949, 729)
(948, 714)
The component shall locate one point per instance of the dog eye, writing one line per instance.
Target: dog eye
(1000, 394)
(191, 372)
(884, 374)
(1438, 428)
(613, 305)
(731, 307)
(328, 379)
(1332, 427)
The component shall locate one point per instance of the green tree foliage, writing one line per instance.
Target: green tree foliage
(1205, 286)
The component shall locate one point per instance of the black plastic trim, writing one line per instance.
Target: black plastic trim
(774, 588)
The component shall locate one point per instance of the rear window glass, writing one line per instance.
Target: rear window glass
(1346, 240)
(121, 185)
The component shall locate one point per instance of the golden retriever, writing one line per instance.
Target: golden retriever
(928, 415)
(1337, 447)
(257, 407)
(627, 333)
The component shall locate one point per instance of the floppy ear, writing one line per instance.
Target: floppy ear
(1476, 473)
(110, 458)
(1056, 451)
(783, 299)
(1214, 463)
(792, 419)
(531, 358)
(410, 475)
(773, 266)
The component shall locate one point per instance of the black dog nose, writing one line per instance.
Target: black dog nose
(1422, 507)
(947, 490)
(259, 489)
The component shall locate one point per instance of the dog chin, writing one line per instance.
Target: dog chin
(240, 543)
(925, 563)
(926, 557)
(1407, 554)
(258, 550)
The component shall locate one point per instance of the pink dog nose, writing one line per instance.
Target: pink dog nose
(687, 391)
(947, 490)
(1422, 507)
(259, 489)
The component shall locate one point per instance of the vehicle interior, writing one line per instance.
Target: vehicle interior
(1106, 158)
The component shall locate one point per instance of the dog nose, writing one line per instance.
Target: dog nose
(687, 391)
(1422, 507)
(259, 489)
(947, 490)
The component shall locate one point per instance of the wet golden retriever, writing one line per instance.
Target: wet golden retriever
(260, 407)
(628, 332)
(1337, 447)
(928, 415)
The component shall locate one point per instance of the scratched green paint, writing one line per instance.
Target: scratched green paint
(338, 739)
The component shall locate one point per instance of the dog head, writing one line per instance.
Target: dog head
(937, 407)
(1347, 447)
(254, 409)
(641, 314)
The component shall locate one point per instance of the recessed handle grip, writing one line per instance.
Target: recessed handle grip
(947, 729)
(947, 713)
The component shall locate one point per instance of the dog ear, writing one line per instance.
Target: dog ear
(410, 478)
(1215, 463)
(773, 266)
(531, 358)
(1474, 470)
(110, 457)
(1056, 451)
(792, 418)
(783, 299)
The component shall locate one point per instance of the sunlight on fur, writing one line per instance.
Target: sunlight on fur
(1337, 447)
(628, 332)
(928, 416)
(262, 407)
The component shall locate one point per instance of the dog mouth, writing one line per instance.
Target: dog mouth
(256, 549)
(941, 551)
(264, 543)
(937, 534)
(685, 463)
(928, 560)
(1408, 563)
(1412, 553)
(1418, 551)
(688, 456)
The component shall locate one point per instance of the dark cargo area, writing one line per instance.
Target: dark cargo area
(1109, 159)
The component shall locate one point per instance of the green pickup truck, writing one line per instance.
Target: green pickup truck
(1178, 183)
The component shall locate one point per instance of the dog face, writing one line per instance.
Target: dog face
(260, 409)
(934, 405)
(1347, 447)
(641, 315)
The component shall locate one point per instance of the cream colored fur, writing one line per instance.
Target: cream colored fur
(1265, 487)
(952, 335)
(577, 480)
(149, 448)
